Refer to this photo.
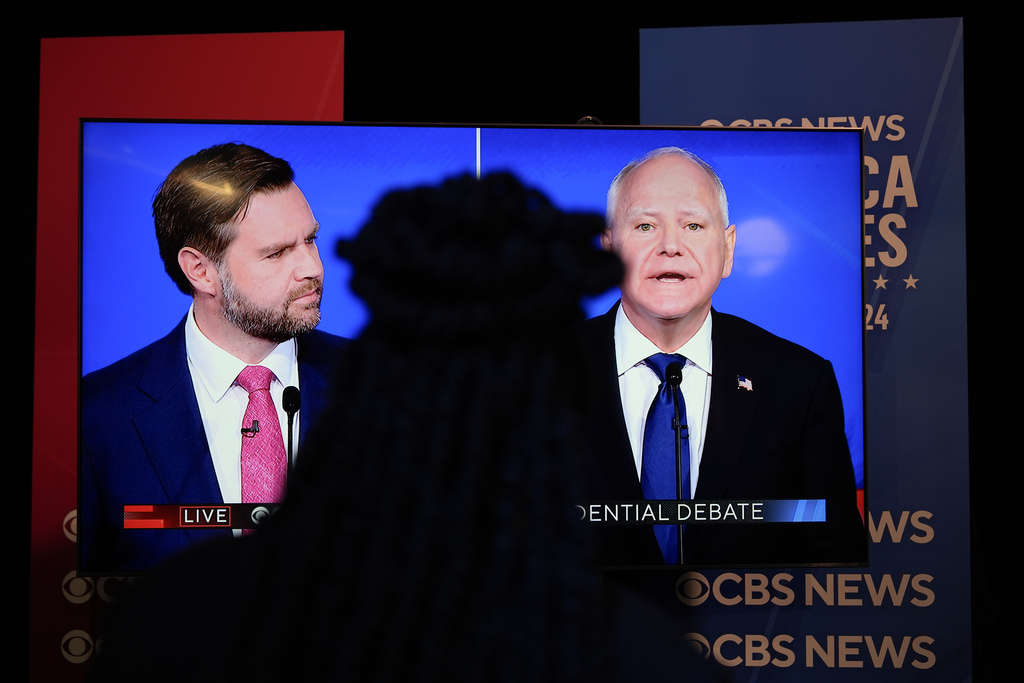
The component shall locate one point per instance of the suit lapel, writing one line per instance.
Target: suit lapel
(172, 429)
(607, 426)
(732, 408)
(614, 470)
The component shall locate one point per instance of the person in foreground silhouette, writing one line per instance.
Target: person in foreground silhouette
(429, 533)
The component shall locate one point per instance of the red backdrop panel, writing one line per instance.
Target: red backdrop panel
(271, 76)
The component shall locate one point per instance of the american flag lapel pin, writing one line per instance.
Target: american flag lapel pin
(744, 383)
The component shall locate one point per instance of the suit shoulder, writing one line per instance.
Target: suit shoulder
(125, 372)
(317, 342)
(326, 338)
(600, 324)
(744, 333)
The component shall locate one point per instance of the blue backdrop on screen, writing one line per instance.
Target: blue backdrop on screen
(794, 196)
(128, 300)
(908, 617)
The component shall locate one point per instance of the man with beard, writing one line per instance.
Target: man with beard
(196, 418)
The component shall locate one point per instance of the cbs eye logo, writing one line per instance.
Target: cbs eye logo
(259, 514)
(79, 589)
(76, 646)
(692, 589)
(76, 589)
(70, 526)
(698, 644)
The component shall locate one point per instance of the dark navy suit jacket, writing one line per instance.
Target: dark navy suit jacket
(784, 439)
(142, 442)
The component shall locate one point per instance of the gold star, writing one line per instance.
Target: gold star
(880, 282)
(911, 281)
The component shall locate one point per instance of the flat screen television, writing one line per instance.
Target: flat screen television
(795, 196)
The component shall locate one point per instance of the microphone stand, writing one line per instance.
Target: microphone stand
(674, 376)
(291, 401)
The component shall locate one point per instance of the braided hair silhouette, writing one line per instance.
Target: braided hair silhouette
(429, 533)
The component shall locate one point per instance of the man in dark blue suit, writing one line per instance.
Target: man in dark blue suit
(764, 416)
(165, 425)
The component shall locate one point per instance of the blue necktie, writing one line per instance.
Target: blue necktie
(658, 470)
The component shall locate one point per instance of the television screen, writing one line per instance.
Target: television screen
(794, 195)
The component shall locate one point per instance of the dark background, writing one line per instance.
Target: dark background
(511, 64)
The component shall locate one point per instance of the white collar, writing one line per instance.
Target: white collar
(632, 347)
(217, 369)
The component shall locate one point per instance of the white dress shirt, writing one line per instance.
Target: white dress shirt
(638, 385)
(222, 402)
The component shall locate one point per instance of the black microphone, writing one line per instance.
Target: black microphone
(674, 374)
(674, 377)
(290, 401)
